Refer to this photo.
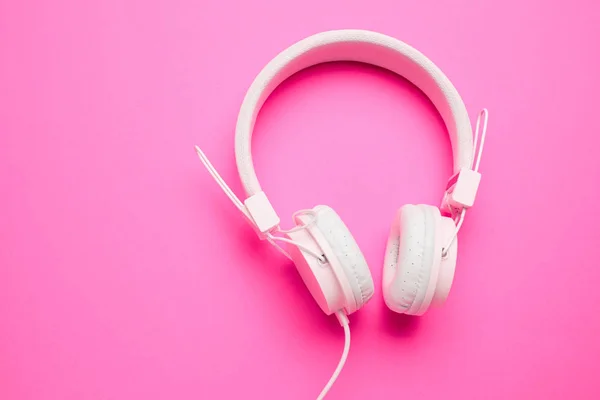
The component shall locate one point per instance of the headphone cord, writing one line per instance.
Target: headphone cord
(269, 236)
(345, 324)
(459, 215)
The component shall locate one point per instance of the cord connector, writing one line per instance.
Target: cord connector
(263, 214)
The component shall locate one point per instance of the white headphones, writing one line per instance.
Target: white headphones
(421, 251)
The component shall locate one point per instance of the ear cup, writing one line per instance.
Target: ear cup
(413, 260)
(345, 249)
(344, 282)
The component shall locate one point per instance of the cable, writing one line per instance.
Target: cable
(475, 165)
(345, 324)
(240, 206)
(316, 255)
(311, 221)
(483, 114)
(213, 172)
(458, 221)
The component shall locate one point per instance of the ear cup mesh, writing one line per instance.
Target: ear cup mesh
(347, 252)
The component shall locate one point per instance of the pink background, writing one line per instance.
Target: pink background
(126, 274)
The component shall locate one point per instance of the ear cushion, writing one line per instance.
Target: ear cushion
(346, 250)
(411, 259)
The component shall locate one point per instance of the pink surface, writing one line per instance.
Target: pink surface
(125, 273)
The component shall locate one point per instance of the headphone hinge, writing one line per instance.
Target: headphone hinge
(461, 191)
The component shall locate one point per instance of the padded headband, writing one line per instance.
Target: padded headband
(359, 46)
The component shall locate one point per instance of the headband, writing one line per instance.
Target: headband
(360, 46)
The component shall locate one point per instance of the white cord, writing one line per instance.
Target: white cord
(297, 228)
(213, 172)
(240, 206)
(345, 324)
(458, 220)
(483, 113)
(318, 256)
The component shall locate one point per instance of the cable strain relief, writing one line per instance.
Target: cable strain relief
(342, 318)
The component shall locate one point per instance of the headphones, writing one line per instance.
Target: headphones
(421, 250)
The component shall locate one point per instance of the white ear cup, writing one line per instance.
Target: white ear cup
(413, 262)
(347, 252)
(344, 281)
